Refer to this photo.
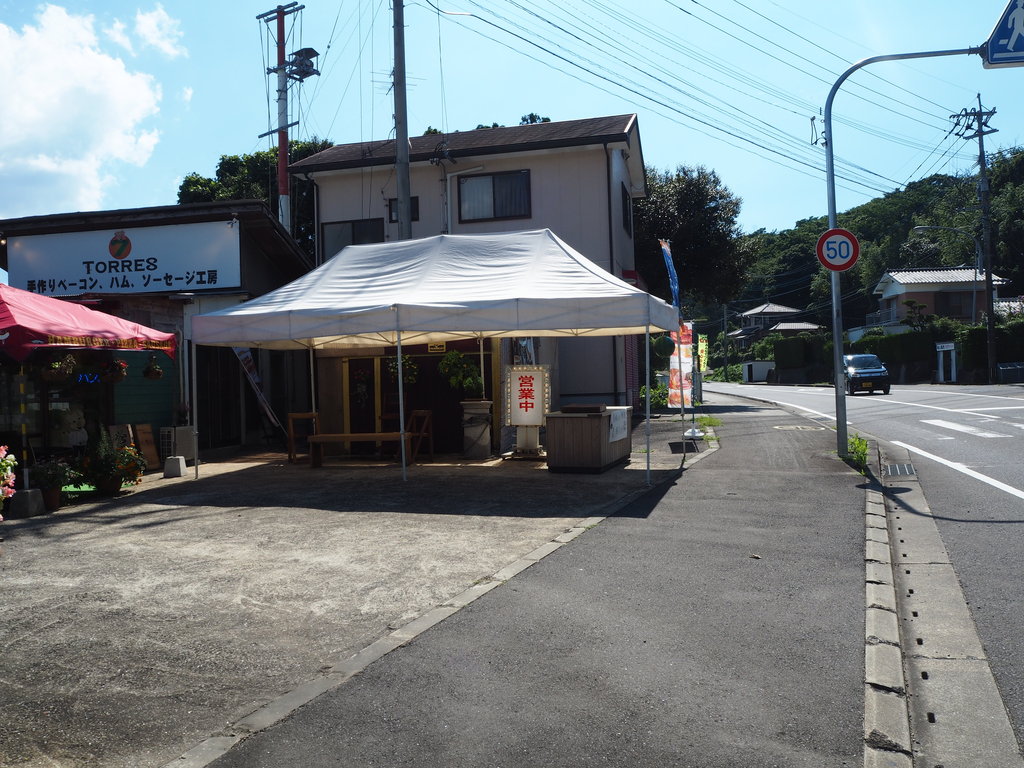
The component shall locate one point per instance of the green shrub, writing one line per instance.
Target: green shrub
(857, 452)
(659, 396)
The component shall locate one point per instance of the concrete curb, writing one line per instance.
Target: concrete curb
(342, 670)
(887, 741)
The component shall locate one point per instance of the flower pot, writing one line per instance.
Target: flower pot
(156, 373)
(108, 486)
(51, 498)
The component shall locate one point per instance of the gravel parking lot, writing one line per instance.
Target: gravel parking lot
(133, 628)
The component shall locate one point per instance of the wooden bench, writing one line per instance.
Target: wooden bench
(418, 428)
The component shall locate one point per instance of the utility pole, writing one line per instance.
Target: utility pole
(298, 68)
(401, 128)
(975, 122)
(725, 338)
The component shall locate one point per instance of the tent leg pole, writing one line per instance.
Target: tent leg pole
(682, 389)
(312, 380)
(195, 409)
(483, 380)
(647, 390)
(401, 407)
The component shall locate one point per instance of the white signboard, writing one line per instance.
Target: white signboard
(528, 395)
(618, 425)
(177, 257)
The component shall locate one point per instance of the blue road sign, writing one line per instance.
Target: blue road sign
(1005, 46)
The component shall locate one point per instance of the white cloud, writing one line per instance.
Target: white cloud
(160, 31)
(186, 94)
(118, 32)
(76, 116)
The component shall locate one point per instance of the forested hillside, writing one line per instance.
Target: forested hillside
(694, 210)
(784, 268)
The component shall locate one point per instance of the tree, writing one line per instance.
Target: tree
(694, 211)
(254, 177)
(533, 118)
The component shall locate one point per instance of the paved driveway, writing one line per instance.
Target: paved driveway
(132, 629)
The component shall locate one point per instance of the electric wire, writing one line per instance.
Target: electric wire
(635, 90)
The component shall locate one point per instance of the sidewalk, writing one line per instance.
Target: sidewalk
(717, 620)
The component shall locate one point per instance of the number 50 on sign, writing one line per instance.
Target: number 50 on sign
(838, 250)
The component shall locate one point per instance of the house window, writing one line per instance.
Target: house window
(494, 196)
(414, 206)
(338, 234)
(627, 211)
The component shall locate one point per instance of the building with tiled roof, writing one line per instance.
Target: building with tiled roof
(954, 292)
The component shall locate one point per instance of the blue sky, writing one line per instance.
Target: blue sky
(109, 104)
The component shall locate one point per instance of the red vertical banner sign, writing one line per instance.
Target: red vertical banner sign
(680, 378)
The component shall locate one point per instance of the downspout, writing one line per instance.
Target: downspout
(611, 266)
(318, 251)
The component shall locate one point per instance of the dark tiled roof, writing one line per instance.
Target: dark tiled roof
(770, 309)
(483, 141)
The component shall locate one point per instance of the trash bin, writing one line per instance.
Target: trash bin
(588, 438)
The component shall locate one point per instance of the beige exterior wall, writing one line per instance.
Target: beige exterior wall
(573, 191)
(577, 193)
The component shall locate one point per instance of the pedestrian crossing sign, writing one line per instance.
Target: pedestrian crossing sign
(1005, 46)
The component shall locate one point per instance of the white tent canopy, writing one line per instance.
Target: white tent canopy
(438, 289)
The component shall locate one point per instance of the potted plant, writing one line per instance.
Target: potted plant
(410, 371)
(463, 374)
(152, 369)
(50, 477)
(7, 465)
(114, 371)
(59, 368)
(107, 467)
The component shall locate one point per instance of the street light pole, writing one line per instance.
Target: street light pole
(842, 443)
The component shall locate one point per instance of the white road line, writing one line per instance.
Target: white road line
(890, 401)
(829, 416)
(965, 470)
(974, 431)
(975, 394)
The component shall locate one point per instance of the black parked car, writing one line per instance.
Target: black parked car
(865, 373)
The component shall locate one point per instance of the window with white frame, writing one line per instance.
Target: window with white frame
(494, 196)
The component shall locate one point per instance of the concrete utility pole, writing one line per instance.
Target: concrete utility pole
(976, 120)
(404, 199)
(298, 68)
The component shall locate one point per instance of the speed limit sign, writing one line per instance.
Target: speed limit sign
(838, 250)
